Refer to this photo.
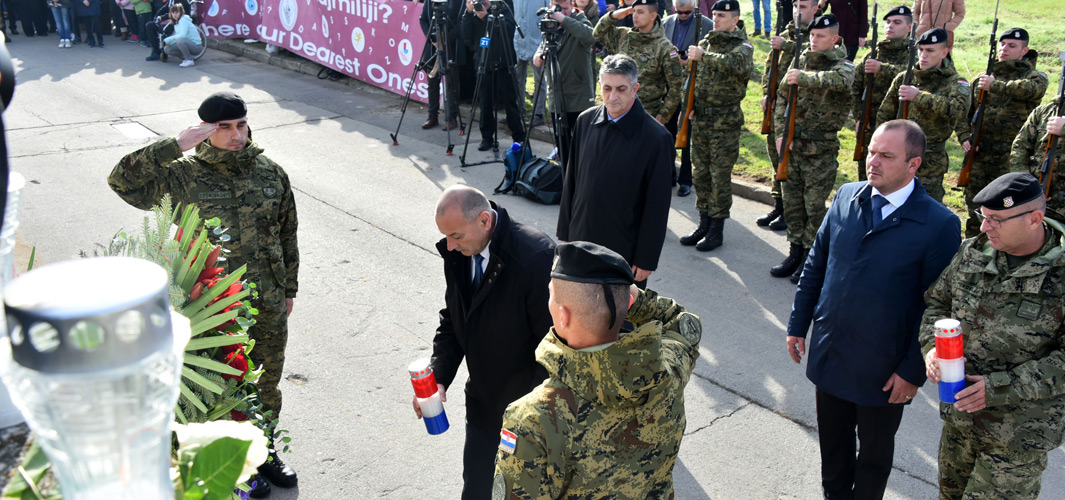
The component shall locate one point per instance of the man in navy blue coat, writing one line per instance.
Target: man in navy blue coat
(881, 245)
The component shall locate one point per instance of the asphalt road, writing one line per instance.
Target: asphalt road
(371, 282)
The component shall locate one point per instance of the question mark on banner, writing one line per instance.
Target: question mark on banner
(371, 50)
(404, 9)
(384, 18)
(387, 61)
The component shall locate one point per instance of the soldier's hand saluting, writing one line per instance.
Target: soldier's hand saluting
(194, 135)
(621, 13)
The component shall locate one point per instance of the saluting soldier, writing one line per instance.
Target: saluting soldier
(608, 421)
(786, 45)
(1007, 288)
(661, 74)
(938, 98)
(892, 55)
(1014, 88)
(228, 177)
(725, 60)
(1029, 149)
(823, 76)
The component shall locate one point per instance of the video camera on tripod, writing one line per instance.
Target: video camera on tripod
(548, 25)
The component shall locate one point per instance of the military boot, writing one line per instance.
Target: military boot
(779, 225)
(695, 236)
(791, 262)
(777, 211)
(798, 270)
(713, 237)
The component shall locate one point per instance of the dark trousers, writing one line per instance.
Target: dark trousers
(852, 50)
(32, 15)
(151, 32)
(451, 87)
(499, 84)
(92, 26)
(842, 475)
(567, 138)
(685, 175)
(478, 462)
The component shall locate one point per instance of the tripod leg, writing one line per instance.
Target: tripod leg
(445, 76)
(406, 100)
(482, 66)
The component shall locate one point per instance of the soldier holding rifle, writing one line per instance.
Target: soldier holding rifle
(1037, 148)
(873, 76)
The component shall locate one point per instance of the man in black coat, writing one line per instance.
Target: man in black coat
(455, 55)
(496, 313)
(618, 176)
(498, 79)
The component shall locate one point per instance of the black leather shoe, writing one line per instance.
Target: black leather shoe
(798, 270)
(684, 190)
(261, 489)
(779, 224)
(774, 214)
(485, 145)
(793, 261)
(713, 238)
(430, 123)
(451, 125)
(277, 472)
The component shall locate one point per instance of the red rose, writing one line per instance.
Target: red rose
(236, 360)
(237, 416)
(231, 348)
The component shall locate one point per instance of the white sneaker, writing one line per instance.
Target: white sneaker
(68, 43)
(186, 63)
(62, 44)
(271, 49)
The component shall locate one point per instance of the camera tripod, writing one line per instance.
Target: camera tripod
(553, 73)
(441, 58)
(493, 34)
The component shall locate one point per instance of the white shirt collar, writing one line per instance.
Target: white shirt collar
(896, 199)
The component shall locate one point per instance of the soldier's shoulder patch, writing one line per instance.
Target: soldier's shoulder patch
(962, 81)
(748, 45)
(499, 487)
(507, 441)
(1042, 74)
(673, 53)
(848, 63)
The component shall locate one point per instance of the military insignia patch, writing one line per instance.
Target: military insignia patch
(1029, 310)
(507, 441)
(963, 82)
(748, 45)
(1007, 201)
(269, 192)
(673, 54)
(215, 195)
(499, 487)
(554, 265)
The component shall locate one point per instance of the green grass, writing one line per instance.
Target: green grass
(1042, 18)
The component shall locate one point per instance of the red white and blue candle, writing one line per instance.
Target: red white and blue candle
(951, 354)
(428, 394)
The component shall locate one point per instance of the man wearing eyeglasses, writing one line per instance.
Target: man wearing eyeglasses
(1007, 288)
(680, 30)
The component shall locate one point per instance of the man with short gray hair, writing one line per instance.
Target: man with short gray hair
(617, 187)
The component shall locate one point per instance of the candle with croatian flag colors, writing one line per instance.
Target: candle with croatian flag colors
(950, 352)
(425, 389)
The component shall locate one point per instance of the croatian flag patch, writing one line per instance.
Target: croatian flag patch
(963, 82)
(673, 54)
(507, 441)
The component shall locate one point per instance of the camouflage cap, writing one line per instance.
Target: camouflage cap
(586, 262)
(222, 106)
(726, 6)
(824, 22)
(932, 37)
(1014, 34)
(1008, 191)
(901, 10)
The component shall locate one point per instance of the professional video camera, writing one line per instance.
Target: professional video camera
(439, 6)
(547, 24)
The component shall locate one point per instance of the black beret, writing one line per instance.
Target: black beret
(901, 10)
(222, 106)
(645, 2)
(825, 21)
(932, 37)
(586, 262)
(1014, 34)
(726, 6)
(1008, 191)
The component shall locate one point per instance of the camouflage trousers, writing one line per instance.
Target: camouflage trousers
(933, 168)
(811, 177)
(774, 160)
(975, 468)
(714, 153)
(270, 333)
(987, 166)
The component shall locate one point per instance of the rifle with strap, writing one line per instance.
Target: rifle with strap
(788, 134)
(689, 86)
(977, 124)
(904, 109)
(1046, 170)
(866, 119)
(774, 79)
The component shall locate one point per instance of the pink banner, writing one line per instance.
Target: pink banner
(231, 18)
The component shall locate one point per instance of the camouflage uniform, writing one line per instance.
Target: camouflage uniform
(625, 400)
(893, 56)
(720, 86)
(252, 197)
(787, 53)
(1017, 90)
(824, 90)
(1029, 151)
(661, 74)
(942, 101)
(1014, 337)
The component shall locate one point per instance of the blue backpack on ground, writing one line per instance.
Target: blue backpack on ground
(537, 179)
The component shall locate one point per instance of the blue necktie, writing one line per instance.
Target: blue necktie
(878, 206)
(478, 270)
